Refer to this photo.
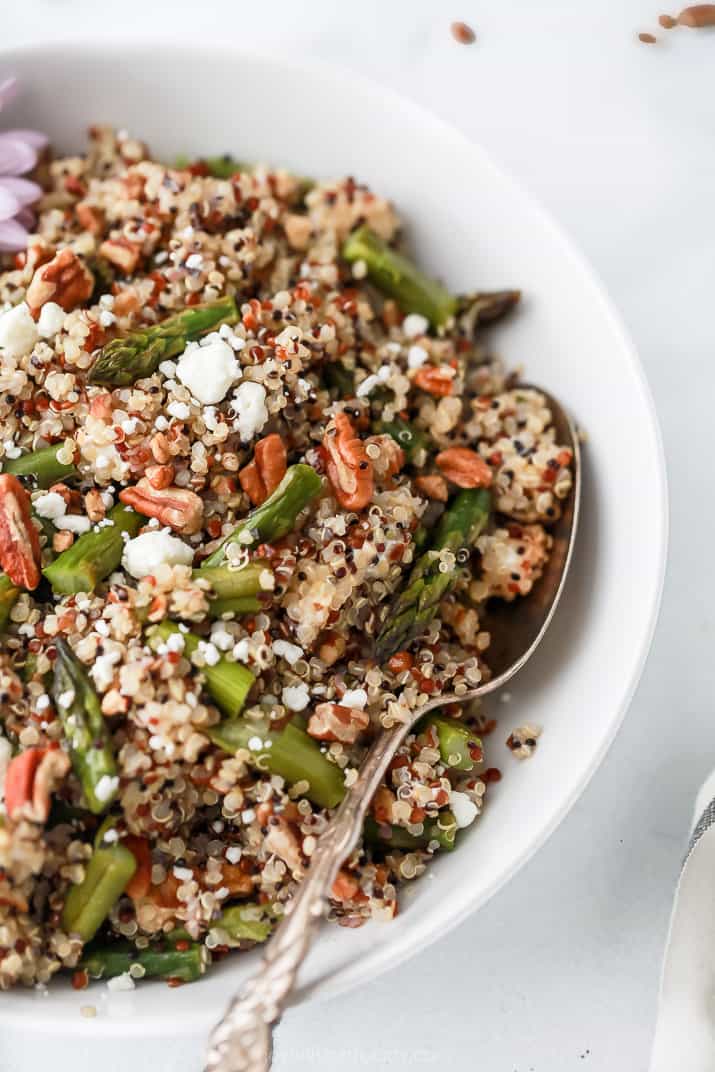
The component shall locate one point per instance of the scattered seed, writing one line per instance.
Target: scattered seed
(463, 33)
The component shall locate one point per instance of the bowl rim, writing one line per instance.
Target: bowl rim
(410, 942)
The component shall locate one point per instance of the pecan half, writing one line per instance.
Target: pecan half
(160, 476)
(435, 381)
(262, 476)
(180, 509)
(433, 486)
(464, 467)
(30, 780)
(19, 539)
(122, 252)
(349, 468)
(333, 722)
(65, 280)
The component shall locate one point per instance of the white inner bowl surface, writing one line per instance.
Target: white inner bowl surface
(473, 226)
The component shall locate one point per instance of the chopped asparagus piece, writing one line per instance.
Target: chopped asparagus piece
(94, 555)
(458, 745)
(443, 829)
(228, 683)
(42, 464)
(399, 278)
(88, 904)
(417, 603)
(243, 923)
(187, 964)
(236, 590)
(289, 752)
(8, 597)
(85, 730)
(276, 517)
(137, 355)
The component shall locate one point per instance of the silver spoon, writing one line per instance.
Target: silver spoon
(242, 1040)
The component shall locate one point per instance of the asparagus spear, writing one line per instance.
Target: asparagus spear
(459, 748)
(398, 277)
(237, 590)
(94, 555)
(289, 752)
(188, 962)
(8, 598)
(123, 361)
(416, 605)
(276, 516)
(412, 440)
(85, 730)
(443, 829)
(243, 923)
(88, 904)
(42, 464)
(228, 683)
(484, 307)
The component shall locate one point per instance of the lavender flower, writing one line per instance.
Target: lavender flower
(18, 155)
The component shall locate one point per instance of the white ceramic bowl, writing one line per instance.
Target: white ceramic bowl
(475, 227)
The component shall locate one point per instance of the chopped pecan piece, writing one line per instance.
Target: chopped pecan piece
(179, 508)
(435, 381)
(262, 476)
(19, 539)
(349, 468)
(89, 217)
(464, 467)
(122, 252)
(333, 722)
(30, 780)
(65, 280)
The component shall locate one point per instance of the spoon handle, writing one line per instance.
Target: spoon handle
(242, 1040)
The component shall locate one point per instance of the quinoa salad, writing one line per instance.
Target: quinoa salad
(260, 477)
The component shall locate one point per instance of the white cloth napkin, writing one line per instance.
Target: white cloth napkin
(685, 1029)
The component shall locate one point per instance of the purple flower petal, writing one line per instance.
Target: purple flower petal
(24, 191)
(34, 138)
(16, 157)
(26, 217)
(9, 205)
(13, 236)
(8, 89)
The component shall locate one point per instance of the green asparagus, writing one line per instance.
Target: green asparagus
(443, 830)
(88, 904)
(237, 590)
(459, 747)
(431, 578)
(289, 752)
(228, 683)
(412, 440)
(399, 278)
(484, 307)
(85, 730)
(137, 355)
(188, 962)
(8, 597)
(94, 555)
(42, 464)
(243, 923)
(275, 517)
(339, 380)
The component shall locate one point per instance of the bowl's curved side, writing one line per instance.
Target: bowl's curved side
(472, 224)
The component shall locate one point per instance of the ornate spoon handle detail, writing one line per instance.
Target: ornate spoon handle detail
(242, 1040)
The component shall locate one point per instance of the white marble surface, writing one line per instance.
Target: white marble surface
(559, 973)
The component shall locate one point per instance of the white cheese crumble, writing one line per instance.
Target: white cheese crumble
(66, 698)
(249, 405)
(241, 651)
(52, 317)
(18, 331)
(414, 325)
(210, 653)
(463, 808)
(179, 410)
(233, 854)
(285, 650)
(106, 787)
(121, 982)
(354, 698)
(11, 451)
(296, 697)
(145, 553)
(208, 371)
(416, 357)
(73, 523)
